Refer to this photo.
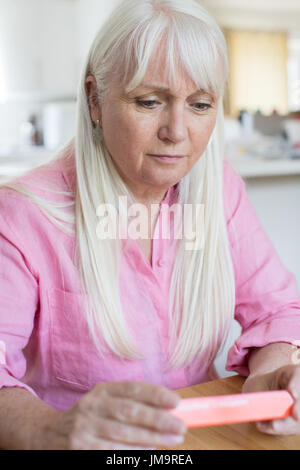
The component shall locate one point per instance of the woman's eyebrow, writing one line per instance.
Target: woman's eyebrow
(154, 87)
(166, 89)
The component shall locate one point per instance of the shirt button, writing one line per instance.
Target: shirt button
(160, 263)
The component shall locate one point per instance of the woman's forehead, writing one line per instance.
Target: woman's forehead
(158, 77)
(159, 74)
(163, 70)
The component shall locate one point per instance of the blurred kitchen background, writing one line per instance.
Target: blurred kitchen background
(43, 45)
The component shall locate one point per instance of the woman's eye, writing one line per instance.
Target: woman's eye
(202, 106)
(149, 104)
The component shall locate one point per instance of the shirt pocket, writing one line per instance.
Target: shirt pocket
(72, 348)
(75, 359)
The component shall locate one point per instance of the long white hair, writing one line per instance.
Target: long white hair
(202, 290)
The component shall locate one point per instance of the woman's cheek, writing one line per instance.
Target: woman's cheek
(203, 137)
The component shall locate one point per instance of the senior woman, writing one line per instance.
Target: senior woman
(96, 332)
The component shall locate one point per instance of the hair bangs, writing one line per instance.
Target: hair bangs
(142, 46)
(204, 63)
(177, 42)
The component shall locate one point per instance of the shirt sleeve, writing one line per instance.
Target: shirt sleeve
(18, 304)
(267, 299)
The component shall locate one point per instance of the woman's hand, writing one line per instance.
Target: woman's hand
(117, 415)
(284, 378)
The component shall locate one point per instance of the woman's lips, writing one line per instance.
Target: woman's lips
(168, 158)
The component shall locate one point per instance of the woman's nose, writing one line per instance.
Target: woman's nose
(174, 127)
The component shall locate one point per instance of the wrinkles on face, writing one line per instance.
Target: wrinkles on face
(158, 118)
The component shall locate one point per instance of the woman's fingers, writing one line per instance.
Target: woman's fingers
(134, 422)
(288, 378)
(134, 435)
(103, 444)
(294, 383)
(155, 395)
(127, 413)
(125, 410)
(287, 426)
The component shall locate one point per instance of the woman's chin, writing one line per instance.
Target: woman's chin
(166, 175)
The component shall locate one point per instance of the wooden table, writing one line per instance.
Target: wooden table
(242, 436)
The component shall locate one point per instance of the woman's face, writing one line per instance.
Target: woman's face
(157, 132)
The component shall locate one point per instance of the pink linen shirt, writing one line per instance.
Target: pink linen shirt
(45, 346)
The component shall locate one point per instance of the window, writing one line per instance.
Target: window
(258, 71)
(294, 70)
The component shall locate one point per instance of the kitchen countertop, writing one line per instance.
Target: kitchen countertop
(17, 162)
(255, 167)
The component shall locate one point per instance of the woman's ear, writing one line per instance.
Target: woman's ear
(93, 99)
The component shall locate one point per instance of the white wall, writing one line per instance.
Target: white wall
(38, 59)
(276, 202)
(38, 40)
(59, 44)
(20, 44)
(43, 46)
(273, 15)
(91, 14)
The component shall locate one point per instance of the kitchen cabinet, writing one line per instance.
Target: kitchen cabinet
(91, 14)
(44, 44)
(38, 62)
(38, 48)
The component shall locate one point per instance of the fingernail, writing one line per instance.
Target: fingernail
(172, 439)
(276, 426)
(183, 429)
(179, 427)
(296, 411)
(261, 425)
(295, 394)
